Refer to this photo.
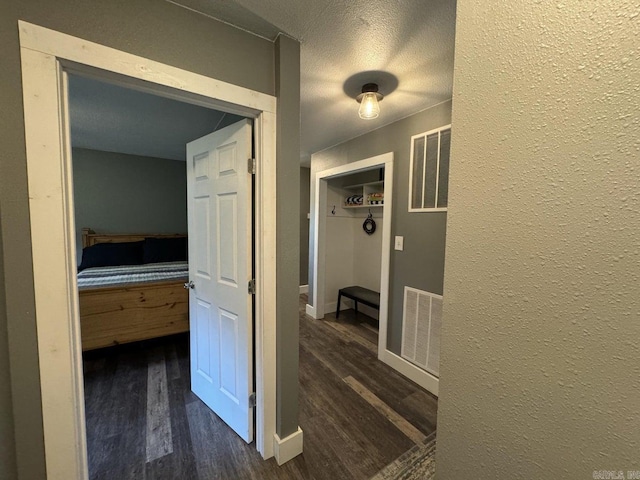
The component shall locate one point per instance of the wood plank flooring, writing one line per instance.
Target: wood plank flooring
(358, 415)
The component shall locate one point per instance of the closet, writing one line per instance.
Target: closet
(353, 236)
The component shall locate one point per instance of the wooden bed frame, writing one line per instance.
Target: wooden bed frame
(114, 315)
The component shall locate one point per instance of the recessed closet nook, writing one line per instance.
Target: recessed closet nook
(354, 238)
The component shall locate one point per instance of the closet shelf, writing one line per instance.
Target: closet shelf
(364, 206)
(370, 194)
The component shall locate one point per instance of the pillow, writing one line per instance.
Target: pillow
(158, 250)
(111, 254)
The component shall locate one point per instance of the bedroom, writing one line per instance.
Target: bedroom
(130, 197)
(130, 179)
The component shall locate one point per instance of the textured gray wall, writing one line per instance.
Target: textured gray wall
(305, 178)
(421, 264)
(118, 193)
(287, 61)
(540, 363)
(155, 29)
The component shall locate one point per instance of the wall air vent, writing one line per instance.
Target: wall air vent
(421, 323)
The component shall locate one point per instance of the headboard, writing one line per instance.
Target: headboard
(89, 237)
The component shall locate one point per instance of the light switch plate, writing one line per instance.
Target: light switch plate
(399, 243)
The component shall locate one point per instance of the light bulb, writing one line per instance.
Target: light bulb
(369, 108)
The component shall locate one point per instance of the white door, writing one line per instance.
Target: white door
(220, 267)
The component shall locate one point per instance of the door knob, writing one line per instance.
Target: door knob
(189, 284)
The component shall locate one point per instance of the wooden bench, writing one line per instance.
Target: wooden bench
(359, 294)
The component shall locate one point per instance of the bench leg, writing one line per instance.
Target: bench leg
(355, 303)
(338, 307)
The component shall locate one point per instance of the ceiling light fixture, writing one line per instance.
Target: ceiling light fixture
(368, 99)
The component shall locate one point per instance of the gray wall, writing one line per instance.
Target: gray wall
(169, 34)
(421, 264)
(540, 360)
(288, 249)
(118, 193)
(305, 178)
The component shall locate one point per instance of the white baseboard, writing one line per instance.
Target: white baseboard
(304, 289)
(412, 372)
(287, 448)
(311, 311)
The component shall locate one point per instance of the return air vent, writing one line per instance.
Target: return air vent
(422, 320)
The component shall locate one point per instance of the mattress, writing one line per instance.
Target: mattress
(132, 274)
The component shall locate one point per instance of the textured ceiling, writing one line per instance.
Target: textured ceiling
(404, 45)
(115, 119)
(412, 40)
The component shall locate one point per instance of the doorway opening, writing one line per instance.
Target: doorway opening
(353, 247)
(373, 188)
(48, 57)
(131, 179)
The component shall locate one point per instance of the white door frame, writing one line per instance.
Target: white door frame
(46, 57)
(320, 220)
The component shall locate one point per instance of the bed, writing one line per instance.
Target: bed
(122, 304)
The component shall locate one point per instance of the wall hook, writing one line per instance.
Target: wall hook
(333, 211)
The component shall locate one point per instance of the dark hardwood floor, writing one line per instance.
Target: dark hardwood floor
(357, 414)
